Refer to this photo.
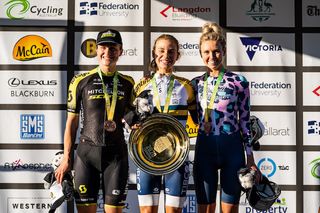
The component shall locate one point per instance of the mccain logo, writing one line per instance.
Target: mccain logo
(31, 47)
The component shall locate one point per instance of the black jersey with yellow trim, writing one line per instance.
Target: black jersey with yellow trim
(86, 97)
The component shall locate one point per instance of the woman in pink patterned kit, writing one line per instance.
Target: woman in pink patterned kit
(223, 104)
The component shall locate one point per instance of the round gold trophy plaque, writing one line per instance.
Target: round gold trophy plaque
(160, 145)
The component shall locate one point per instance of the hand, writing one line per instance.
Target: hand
(135, 126)
(62, 170)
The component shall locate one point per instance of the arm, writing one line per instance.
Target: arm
(69, 140)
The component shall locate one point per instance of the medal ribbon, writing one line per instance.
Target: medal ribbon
(209, 107)
(110, 107)
(156, 94)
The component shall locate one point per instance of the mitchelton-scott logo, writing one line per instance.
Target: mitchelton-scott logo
(13, 5)
(31, 47)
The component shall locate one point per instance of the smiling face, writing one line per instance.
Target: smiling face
(108, 54)
(165, 54)
(212, 54)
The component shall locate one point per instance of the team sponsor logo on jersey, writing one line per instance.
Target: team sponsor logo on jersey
(31, 47)
(315, 169)
(316, 91)
(183, 13)
(18, 9)
(252, 45)
(107, 9)
(313, 127)
(260, 10)
(313, 10)
(32, 126)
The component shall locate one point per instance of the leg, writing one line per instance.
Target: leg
(149, 187)
(86, 186)
(205, 172)
(176, 186)
(115, 180)
(229, 208)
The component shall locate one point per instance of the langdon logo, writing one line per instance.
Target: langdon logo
(316, 91)
(252, 45)
(182, 13)
(31, 47)
(313, 127)
(32, 126)
(260, 10)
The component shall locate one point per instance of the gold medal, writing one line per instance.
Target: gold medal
(207, 127)
(110, 125)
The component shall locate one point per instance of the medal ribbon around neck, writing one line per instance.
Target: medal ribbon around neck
(214, 93)
(156, 94)
(110, 107)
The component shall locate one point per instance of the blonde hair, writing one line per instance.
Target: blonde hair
(212, 31)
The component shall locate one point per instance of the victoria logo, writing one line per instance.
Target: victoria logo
(23, 5)
(251, 44)
(260, 10)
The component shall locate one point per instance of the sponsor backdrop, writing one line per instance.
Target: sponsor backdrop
(274, 44)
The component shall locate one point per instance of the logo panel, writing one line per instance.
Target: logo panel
(32, 126)
(85, 48)
(110, 13)
(311, 89)
(264, 49)
(268, 88)
(311, 128)
(33, 48)
(310, 13)
(260, 13)
(310, 47)
(311, 168)
(279, 166)
(33, 12)
(185, 13)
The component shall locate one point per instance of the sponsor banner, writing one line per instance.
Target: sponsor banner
(25, 166)
(271, 88)
(33, 87)
(267, 13)
(278, 166)
(33, 48)
(311, 128)
(32, 127)
(34, 12)
(311, 169)
(284, 204)
(310, 47)
(310, 13)
(311, 89)
(311, 202)
(187, 13)
(109, 13)
(189, 48)
(263, 49)
(85, 48)
(278, 131)
(27, 201)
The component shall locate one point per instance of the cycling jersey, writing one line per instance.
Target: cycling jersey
(86, 94)
(182, 101)
(231, 110)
